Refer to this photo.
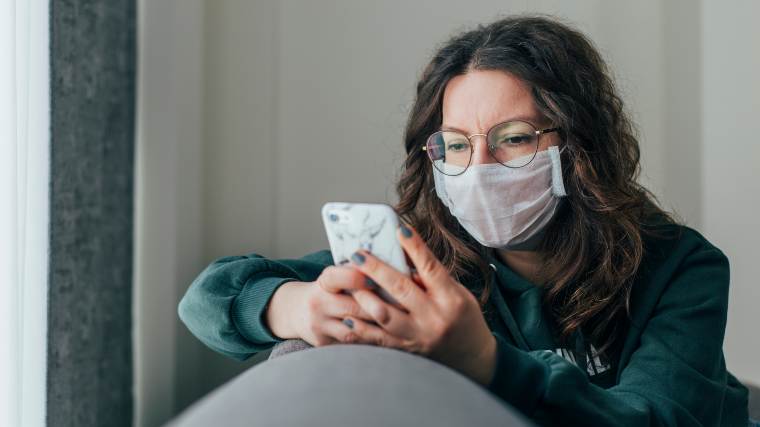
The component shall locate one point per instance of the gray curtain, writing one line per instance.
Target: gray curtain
(92, 55)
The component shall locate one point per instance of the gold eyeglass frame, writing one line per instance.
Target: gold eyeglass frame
(538, 134)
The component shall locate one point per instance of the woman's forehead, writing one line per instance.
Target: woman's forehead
(475, 101)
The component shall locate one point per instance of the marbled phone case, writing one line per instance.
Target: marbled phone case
(370, 226)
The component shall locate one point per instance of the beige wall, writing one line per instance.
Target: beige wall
(168, 205)
(255, 113)
(731, 167)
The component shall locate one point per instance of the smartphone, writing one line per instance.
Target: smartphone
(370, 226)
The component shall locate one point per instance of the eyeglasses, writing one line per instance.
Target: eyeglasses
(513, 144)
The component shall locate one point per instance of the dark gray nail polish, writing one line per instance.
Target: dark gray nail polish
(349, 323)
(406, 231)
(358, 258)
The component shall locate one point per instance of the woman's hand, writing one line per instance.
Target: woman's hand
(321, 306)
(438, 317)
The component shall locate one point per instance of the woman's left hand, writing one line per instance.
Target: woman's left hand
(440, 319)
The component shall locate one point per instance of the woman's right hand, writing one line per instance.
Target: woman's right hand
(314, 311)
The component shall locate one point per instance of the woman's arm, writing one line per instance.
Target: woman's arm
(677, 375)
(282, 314)
(225, 306)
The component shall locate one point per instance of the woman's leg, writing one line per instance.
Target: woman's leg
(289, 346)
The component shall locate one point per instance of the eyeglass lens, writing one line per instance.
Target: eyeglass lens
(513, 144)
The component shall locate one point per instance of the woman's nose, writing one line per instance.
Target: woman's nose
(480, 153)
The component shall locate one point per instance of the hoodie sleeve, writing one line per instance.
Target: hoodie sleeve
(676, 376)
(224, 306)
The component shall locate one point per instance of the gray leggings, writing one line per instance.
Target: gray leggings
(288, 346)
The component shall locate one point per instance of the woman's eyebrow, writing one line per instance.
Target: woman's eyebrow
(530, 119)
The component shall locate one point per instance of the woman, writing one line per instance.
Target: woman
(543, 270)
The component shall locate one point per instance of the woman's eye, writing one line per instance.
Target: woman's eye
(516, 139)
(458, 146)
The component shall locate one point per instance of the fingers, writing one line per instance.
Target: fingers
(340, 306)
(401, 287)
(352, 330)
(335, 279)
(324, 312)
(430, 270)
(337, 331)
(416, 278)
(413, 271)
(363, 332)
(387, 317)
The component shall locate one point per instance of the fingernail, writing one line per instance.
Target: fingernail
(371, 283)
(406, 231)
(358, 258)
(349, 323)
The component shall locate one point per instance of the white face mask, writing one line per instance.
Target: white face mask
(501, 207)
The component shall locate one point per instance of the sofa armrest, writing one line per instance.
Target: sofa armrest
(350, 384)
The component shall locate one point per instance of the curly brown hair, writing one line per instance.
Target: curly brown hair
(595, 245)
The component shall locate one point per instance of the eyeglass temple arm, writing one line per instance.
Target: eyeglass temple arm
(541, 132)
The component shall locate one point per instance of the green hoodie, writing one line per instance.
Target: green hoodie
(667, 367)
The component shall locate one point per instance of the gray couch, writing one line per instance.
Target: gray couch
(296, 345)
(355, 385)
(348, 385)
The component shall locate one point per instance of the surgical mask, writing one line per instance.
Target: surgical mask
(502, 207)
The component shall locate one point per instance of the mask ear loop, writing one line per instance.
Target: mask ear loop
(558, 186)
(440, 187)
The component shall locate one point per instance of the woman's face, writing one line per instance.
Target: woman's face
(474, 102)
